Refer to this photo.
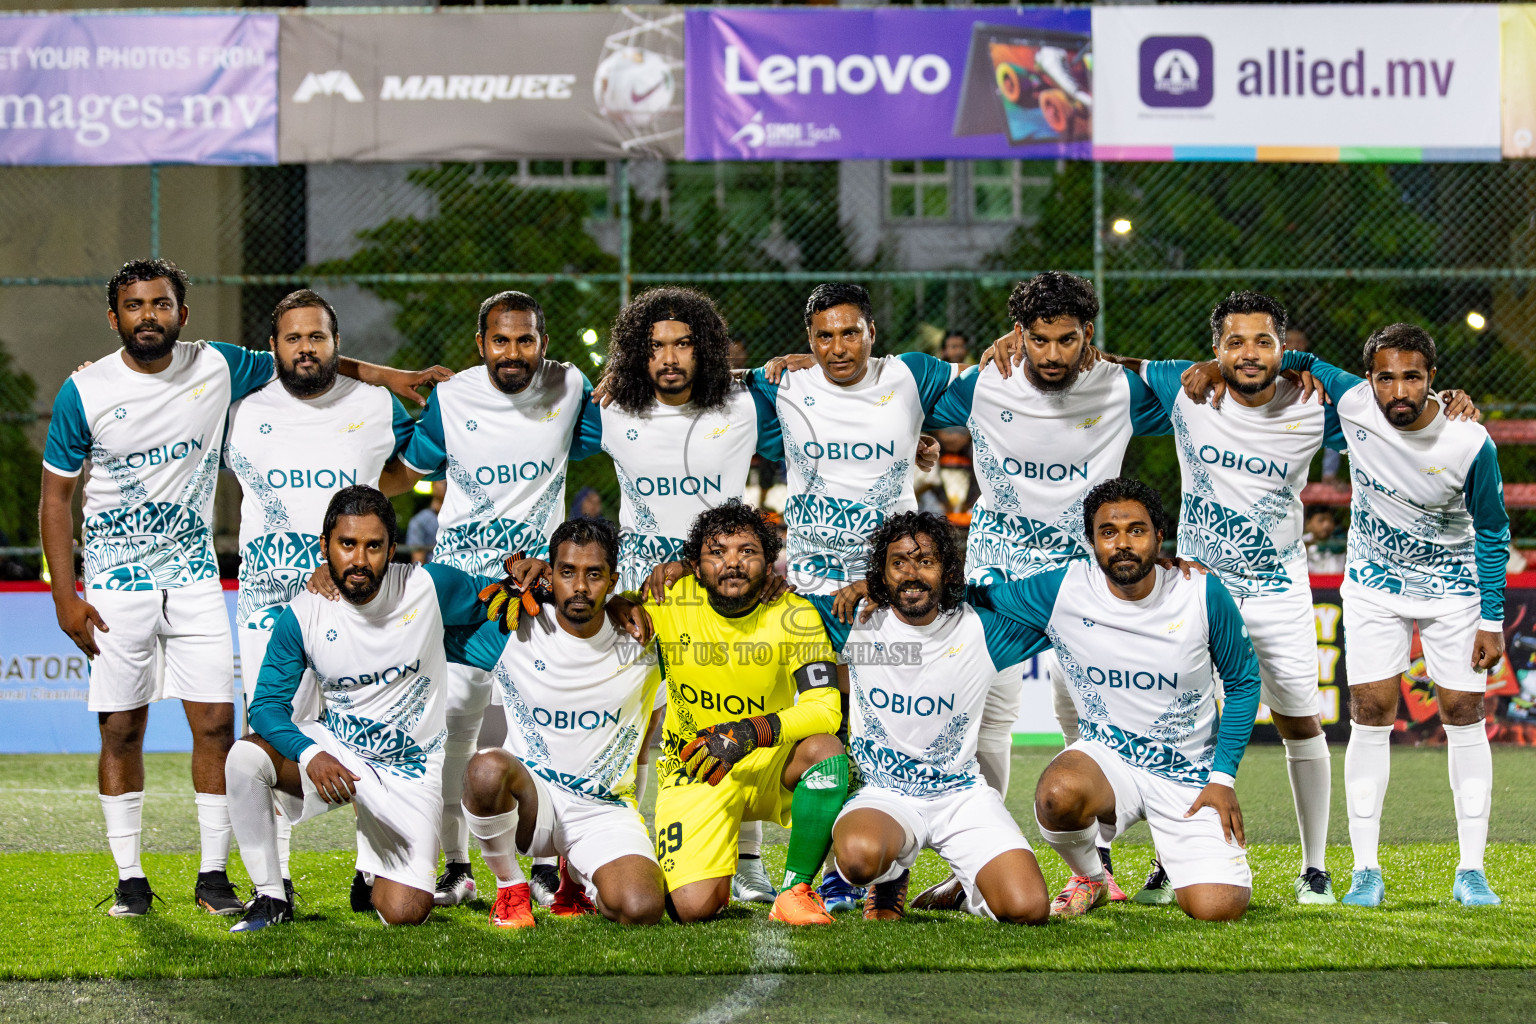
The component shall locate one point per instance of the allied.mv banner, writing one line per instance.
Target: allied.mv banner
(123, 89)
(890, 83)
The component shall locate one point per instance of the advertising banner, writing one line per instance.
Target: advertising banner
(44, 681)
(116, 89)
(788, 84)
(1297, 83)
(482, 86)
(1517, 55)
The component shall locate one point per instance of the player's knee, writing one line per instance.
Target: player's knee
(694, 907)
(820, 747)
(410, 908)
(248, 761)
(122, 733)
(1019, 908)
(641, 906)
(1229, 904)
(1369, 708)
(486, 777)
(859, 857)
(1059, 802)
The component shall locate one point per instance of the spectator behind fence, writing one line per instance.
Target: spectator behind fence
(421, 533)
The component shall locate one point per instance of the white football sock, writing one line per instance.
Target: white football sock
(749, 841)
(498, 845)
(284, 845)
(213, 827)
(1079, 849)
(1471, 764)
(1310, 768)
(250, 779)
(125, 822)
(1367, 766)
(546, 862)
(995, 766)
(459, 747)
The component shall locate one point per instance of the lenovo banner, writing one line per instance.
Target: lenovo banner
(123, 89)
(487, 85)
(789, 84)
(1297, 83)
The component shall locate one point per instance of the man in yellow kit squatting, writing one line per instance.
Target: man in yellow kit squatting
(753, 707)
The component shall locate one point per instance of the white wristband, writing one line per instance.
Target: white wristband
(1221, 779)
(1490, 625)
(309, 754)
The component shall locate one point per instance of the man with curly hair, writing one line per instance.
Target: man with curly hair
(920, 672)
(753, 709)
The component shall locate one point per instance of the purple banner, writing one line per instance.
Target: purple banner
(128, 89)
(986, 82)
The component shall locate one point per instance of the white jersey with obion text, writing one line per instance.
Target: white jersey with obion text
(674, 462)
(1426, 517)
(1036, 455)
(505, 459)
(1243, 472)
(381, 667)
(291, 455)
(152, 442)
(916, 693)
(577, 708)
(849, 454)
(1142, 672)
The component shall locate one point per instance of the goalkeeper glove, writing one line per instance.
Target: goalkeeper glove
(715, 749)
(506, 601)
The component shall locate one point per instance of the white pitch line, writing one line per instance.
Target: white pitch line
(4, 790)
(770, 952)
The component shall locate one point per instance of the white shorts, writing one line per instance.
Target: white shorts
(397, 817)
(1193, 850)
(588, 834)
(1283, 630)
(253, 650)
(162, 645)
(1378, 636)
(1002, 709)
(969, 829)
(469, 689)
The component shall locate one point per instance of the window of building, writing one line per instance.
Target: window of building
(918, 189)
(1008, 189)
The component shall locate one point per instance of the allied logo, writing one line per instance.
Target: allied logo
(197, 392)
(265, 428)
(330, 634)
(809, 400)
(1177, 71)
(1293, 426)
(471, 425)
(408, 617)
(352, 427)
(552, 414)
(632, 433)
(120, 412)
(1175, 627)
(885, 398)
(1007, 416)
(539, 664)
(1089, 422)
(953, 651)
(717, 433)
(328, 83)
(1432, 470)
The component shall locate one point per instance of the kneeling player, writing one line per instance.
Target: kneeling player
(919, 676)
(734, 667)
(578, 697)
(379, 659)
(1138, 644)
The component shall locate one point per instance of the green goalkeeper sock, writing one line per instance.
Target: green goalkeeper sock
(818, 798)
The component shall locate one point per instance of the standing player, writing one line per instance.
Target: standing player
(503, 433)
(1041, 440)
(752, 709)
(1140, 646)
(150, 421)
(920, 674)
(1428, 542)
(682, 433)
(292, 447)
(850, 424)
(379, 661)
(578, 696)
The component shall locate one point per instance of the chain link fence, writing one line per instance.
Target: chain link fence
(406, 253)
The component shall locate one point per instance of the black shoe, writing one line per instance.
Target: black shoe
(543, 883)
(131, 898)
(362, 894)
(455, 885)
(215, 894)
(288, 892)
(264, 910)
(1109, 867)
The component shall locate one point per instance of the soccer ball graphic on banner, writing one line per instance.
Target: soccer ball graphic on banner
(634, 85)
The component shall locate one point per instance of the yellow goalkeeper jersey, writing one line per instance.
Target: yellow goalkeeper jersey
(723, 669)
